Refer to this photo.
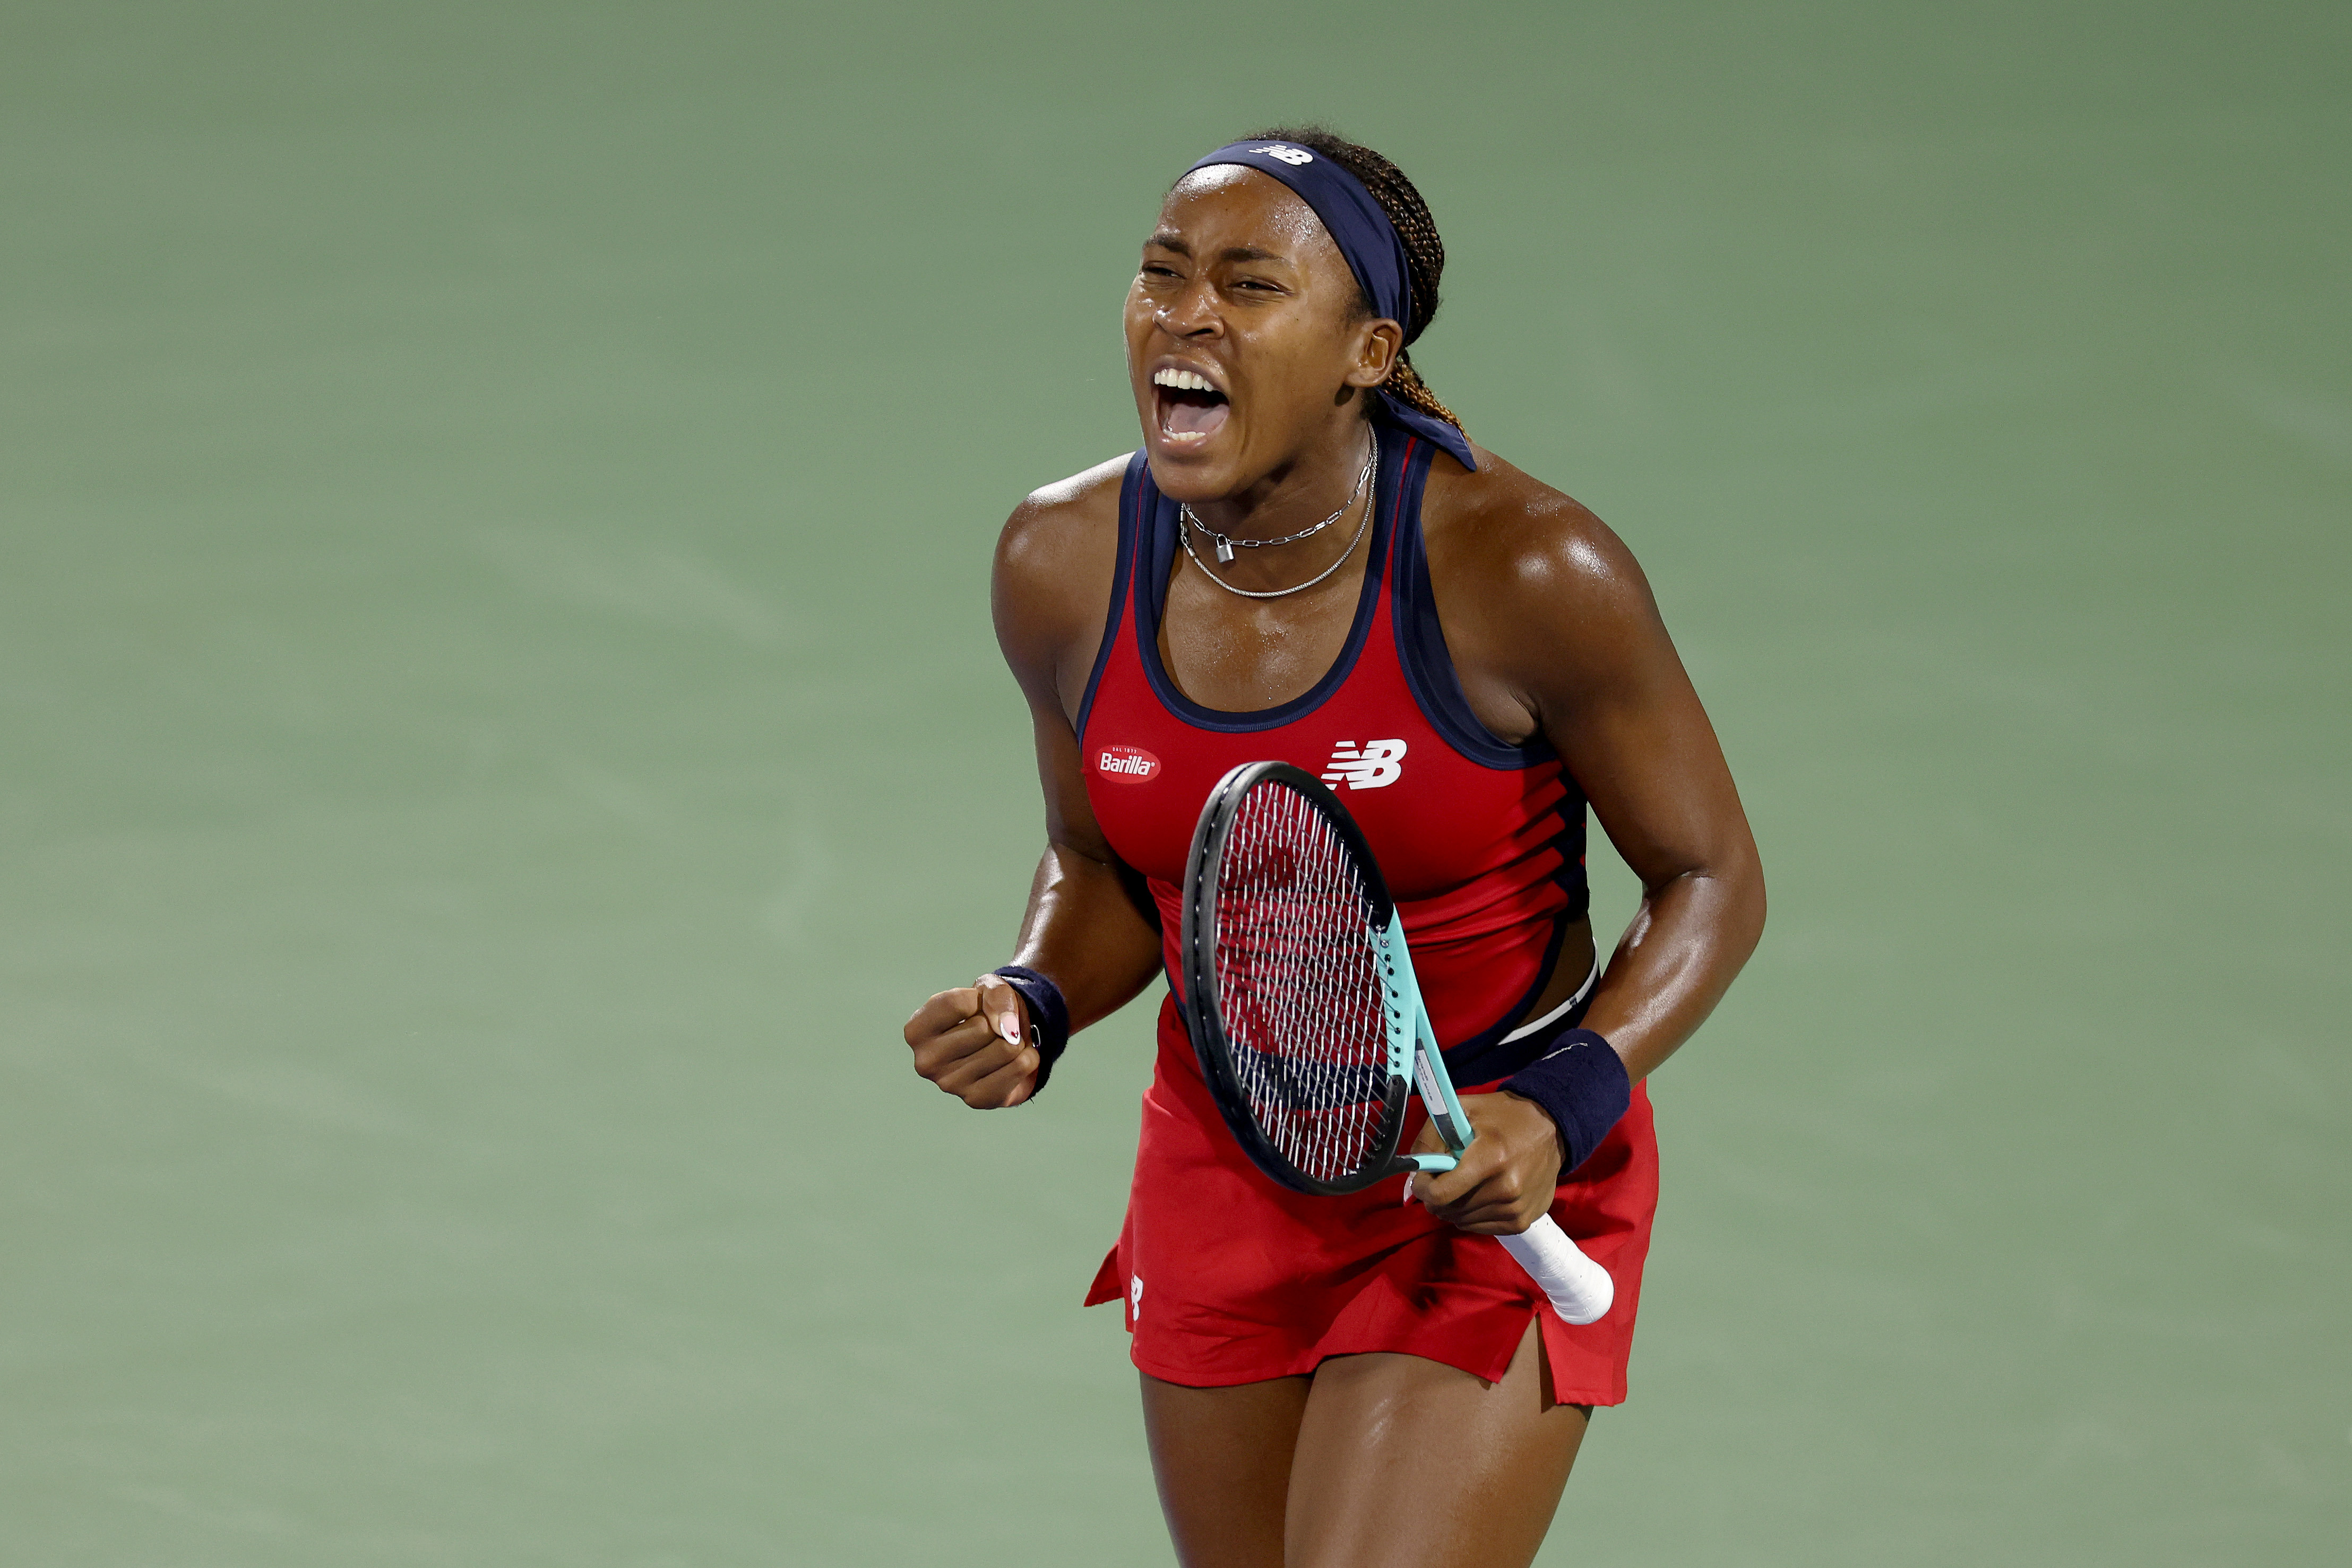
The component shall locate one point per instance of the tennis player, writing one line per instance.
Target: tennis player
(1309, 561)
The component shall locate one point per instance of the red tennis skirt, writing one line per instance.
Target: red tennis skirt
(1229, 1277)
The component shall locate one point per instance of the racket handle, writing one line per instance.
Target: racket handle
(1579, 1289)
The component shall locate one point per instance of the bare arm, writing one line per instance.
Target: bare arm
(1611, 695)
(1561, 636)
(1089, 926)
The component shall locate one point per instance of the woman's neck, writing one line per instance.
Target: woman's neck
(1297, 493)
(1310, 524)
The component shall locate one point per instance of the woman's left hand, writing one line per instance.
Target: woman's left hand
(1505, 1181)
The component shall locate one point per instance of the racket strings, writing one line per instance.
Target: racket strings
(1299, 989)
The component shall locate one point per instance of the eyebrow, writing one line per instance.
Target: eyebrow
(1166, 240)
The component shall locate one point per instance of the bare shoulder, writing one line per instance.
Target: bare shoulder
(1050, 589)
(1539, 598)
(1503, 534)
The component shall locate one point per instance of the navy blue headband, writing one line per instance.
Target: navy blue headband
(1360, 227)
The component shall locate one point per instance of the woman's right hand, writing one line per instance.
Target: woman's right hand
(973, 1042)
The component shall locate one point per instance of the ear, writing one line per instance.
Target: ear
(1378, 344)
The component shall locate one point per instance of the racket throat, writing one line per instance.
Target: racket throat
(1437, 1097)
(1412, 1049)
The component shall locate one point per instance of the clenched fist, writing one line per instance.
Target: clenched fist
(974, 1043)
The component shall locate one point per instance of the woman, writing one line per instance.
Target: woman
(1309, 560)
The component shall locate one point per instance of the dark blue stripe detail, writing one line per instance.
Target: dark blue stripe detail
(1437, 688)
(1156, 555)
(1569, 843)
(1137, 467)
(1484, 1062)
(1428, 668)
(1478, 1059)
(1482, 1056)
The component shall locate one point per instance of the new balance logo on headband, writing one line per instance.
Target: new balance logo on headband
(1294, 156)
(1377, 765)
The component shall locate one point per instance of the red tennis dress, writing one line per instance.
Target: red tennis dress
(1226, 1275)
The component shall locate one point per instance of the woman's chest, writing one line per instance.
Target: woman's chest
(1239, 655)
(1435, 820)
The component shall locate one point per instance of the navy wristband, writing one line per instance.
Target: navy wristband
(1049, 1018)
(1581, 1082)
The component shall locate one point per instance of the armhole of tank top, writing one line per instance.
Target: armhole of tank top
(1116, 616)
(1422, 652)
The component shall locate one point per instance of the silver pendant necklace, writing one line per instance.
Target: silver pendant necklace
(1187, 523)
(1225, 546)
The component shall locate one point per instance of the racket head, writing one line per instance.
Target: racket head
(1284, 998)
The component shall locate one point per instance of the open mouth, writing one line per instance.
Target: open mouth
(1191, 409)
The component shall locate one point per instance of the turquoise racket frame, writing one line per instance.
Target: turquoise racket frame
(1412, 1048)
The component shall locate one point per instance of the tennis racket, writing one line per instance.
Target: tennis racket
(1304, 1014)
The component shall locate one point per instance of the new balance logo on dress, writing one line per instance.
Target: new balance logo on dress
(1376, 766)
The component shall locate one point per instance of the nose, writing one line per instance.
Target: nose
(1192, 314)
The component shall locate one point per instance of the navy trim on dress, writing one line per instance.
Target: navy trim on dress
(1478, 1059)
(1428, 668)
(1487, 1057)
(1137, 467)
(1437, 688)
(1572, 875)
(1156, 546)
(1469, 1061)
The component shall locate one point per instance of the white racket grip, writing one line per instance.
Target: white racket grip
(1579, 1289)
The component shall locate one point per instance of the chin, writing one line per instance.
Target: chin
(1183, 474)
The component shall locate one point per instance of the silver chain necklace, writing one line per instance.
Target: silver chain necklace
(1187, 523)
(1225, 546)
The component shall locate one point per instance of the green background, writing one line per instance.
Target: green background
(499, 725)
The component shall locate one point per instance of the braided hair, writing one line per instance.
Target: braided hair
(1424, 253)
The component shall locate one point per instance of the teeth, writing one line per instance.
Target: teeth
(1181, 379)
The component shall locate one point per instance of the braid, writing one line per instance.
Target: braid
(1424, 252)
(1405, 382)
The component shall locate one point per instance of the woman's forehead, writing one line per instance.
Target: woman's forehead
(1235, 205)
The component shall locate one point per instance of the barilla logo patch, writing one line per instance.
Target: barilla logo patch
(1377, 765)
(1129, 764)
(1294, 156)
